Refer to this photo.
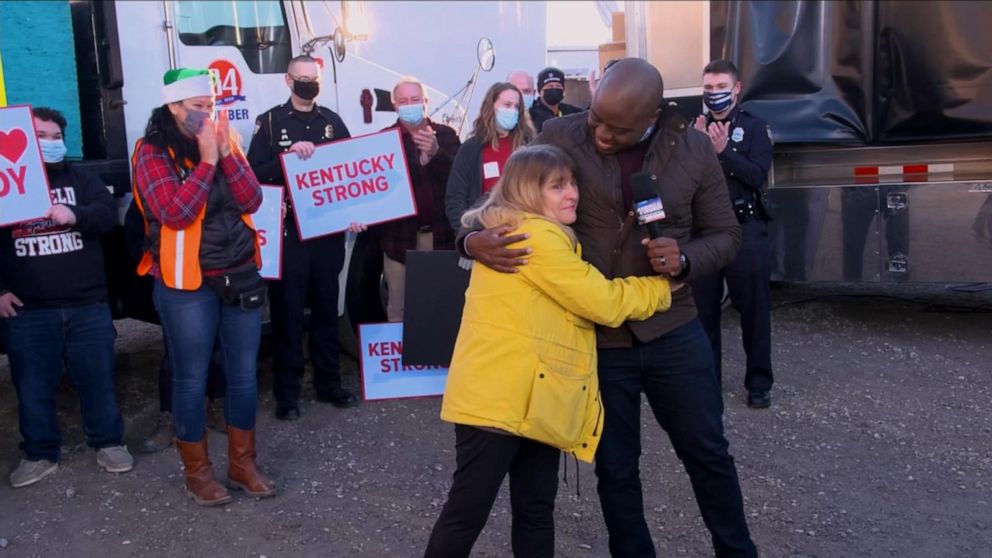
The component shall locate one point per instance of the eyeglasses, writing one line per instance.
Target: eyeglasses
(303, 79)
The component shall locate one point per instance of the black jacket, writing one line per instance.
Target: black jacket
(464, 182)
(748, 155)
(539, 112)
(282, 126)
(49, 266)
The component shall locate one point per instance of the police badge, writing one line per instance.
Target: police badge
(328, 132)
(738, 134)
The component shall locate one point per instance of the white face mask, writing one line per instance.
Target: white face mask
(52, 151)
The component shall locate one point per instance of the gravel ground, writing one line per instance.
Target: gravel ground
(879, 443)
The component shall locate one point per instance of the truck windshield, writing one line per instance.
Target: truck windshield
(257, 28)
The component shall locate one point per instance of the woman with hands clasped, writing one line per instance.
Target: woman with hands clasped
(522, 384)
(196, 194)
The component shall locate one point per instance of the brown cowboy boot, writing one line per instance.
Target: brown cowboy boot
(242, 474)
(200, 483)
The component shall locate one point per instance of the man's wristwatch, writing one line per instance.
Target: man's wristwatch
(684, 265)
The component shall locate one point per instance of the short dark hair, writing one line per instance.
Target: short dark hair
(46, 114)
(301, 58)
(721, 66)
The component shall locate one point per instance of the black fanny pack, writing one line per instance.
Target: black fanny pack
(245, 288)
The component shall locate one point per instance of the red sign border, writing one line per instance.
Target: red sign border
(48, 185)
(406, 168)
(361, 369)
(282, 202)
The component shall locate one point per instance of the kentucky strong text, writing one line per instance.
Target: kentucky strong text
(395, 349)
(344, 181)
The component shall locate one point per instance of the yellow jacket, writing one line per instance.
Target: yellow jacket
(525, 358)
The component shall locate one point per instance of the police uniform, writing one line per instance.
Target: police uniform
(745, 162)
(310, 269)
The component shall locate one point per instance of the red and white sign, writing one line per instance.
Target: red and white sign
(24, 192)
(384, 376)
(360, 180)
(268, 225)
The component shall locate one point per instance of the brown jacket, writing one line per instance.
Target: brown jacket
(693, 190)
(429, 183)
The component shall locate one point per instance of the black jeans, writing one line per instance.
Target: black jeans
(748, 278)
(676, 373)
(309, 278)
(483, 460)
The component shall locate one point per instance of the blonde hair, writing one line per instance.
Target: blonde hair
(405, 80)
(485, 130)
(518, 192)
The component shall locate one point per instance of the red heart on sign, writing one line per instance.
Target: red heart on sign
(12, 144)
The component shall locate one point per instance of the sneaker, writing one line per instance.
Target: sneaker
(115, 459)
(161, 437)
(215, 415)
(29, 472)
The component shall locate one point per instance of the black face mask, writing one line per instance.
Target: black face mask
(306, 90)
(553, 96)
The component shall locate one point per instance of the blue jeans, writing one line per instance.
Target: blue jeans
(676, 373)
(193, 321)
(38, 343)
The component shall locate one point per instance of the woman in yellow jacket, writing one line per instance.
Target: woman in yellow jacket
(522, 384)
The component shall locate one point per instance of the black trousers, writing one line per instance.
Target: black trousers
(675, 372)
(748, 278)
(309, 278)
(483, 460)
(216, 381)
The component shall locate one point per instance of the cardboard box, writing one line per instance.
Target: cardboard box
(609, 51)
(619, 26)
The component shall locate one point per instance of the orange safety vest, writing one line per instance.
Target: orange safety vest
(179, 249)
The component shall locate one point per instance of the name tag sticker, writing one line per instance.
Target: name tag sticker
(490, 170)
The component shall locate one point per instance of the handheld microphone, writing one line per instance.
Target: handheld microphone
(647, 203)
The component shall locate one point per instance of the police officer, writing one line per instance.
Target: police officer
(551, 91)
(309, 269)
(745, 152)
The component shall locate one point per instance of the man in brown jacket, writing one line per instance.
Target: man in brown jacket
(668, 356)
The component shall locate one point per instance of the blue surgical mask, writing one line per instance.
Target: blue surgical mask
(528, 102)
(194, 120)
(411, 114)
(52, 151)
(718, 101)
(507, 118)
